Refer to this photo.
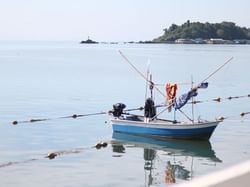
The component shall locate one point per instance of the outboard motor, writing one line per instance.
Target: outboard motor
(149, 108)
(118, 109)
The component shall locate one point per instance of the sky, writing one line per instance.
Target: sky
(110, 20)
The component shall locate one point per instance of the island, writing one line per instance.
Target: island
(204, 33)
(88, 41)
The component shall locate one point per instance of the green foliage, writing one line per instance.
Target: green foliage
(193, 30)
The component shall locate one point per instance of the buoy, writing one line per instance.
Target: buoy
(98, 146)
(217, 99)
(74, 116)
(51, 155)
(14, 123)
(104, 144)
(195, 102)
(242, 114)
(221, 118)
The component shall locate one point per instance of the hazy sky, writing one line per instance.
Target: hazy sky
(110, 20)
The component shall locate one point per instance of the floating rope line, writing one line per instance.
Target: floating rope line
(74, 116)
(219, 99)
(53, 155)
(242, 114)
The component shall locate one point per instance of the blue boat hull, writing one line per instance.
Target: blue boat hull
(202, 132)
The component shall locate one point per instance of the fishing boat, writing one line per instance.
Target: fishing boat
(150, 125)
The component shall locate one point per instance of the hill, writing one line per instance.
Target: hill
(193, 30)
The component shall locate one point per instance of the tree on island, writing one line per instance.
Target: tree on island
(192, 30)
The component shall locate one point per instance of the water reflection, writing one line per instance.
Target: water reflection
(176, 157)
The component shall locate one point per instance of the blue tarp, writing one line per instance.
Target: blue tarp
(203, 85)
(183, 99)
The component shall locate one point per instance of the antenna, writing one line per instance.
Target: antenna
(146, 93)
(192, 86)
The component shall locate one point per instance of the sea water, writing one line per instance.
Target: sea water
(41, 80)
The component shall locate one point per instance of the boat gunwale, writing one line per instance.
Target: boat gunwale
(152, 124)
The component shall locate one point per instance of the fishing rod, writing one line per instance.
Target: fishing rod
(141, 74)
(219, 68)
(194, 89)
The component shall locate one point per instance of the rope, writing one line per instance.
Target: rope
(74, 116)
(219, 99)
(186, 115)
(181, 83)
(242, 114)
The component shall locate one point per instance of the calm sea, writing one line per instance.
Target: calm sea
(56, 79)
